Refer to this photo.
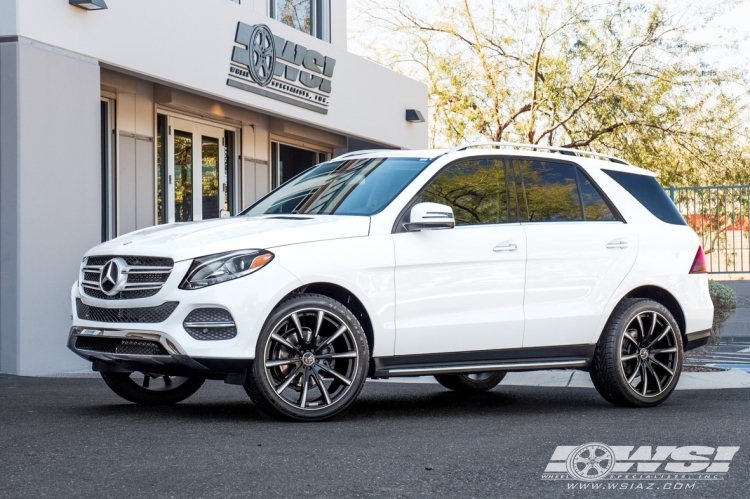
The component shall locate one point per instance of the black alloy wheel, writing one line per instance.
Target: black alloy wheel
(311, 360)
(639, 356)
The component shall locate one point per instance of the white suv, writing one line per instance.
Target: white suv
(462, 264)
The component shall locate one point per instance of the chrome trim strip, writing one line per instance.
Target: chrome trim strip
(499, 366)
(209, 324)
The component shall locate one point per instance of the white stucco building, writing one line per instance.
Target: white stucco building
(151, 112)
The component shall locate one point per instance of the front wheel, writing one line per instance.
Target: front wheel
(153, 389)
(638, 359)
(471, 383)
(311, 360)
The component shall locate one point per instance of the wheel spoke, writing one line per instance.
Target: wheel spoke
(661, 336)
(653, 374)
(658, 351)
(626, 358)
(281, 362)
(333, 373)
(305, 384)
(167, 380)
(652, 328)
(298, 326)
(343, 355)
(644, 376)
(635, 373)
(283, 386)
(146, 381)
(283, 341)
(318, 324)
(322, 387)
(640, 326)
(654, 361)
(632, 340)
(341, 330)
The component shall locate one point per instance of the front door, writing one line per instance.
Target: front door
(196, 175)
(462, 289)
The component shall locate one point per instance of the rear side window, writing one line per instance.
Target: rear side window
(558, 192)
(650, 194)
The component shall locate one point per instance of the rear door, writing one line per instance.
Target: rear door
(579, 251)
(461, 289)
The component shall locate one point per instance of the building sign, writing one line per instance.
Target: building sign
(268, 65)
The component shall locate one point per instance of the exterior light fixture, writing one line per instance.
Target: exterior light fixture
(414, 116)
(89, 4)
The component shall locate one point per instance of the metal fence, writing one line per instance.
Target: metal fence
(719, 215)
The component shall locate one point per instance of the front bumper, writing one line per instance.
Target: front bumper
(114, 350)
(249, 300)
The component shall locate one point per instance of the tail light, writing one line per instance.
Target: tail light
(699, 262)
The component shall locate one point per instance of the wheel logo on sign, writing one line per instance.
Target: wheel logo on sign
(590, 462)
(262, 54)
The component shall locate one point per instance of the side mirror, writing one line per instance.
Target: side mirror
(430, 216)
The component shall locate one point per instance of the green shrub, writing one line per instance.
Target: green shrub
(725, 303)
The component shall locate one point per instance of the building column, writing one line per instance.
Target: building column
(50, 199)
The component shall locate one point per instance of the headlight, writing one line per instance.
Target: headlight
(222, 267)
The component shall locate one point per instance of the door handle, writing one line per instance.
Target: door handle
(505, 247)
(617, 245)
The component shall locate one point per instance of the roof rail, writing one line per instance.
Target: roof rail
(363, 151)
(561, 150)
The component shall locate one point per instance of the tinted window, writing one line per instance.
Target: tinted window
(550, 190)
(356, 187)
(477, 190)
(594, 207)
(650, 194)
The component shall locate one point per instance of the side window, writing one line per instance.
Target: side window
(594, 207)
(550, 190)
(478, 191)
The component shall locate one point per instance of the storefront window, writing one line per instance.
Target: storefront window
(309, 16)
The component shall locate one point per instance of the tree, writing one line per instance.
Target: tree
(618, 77)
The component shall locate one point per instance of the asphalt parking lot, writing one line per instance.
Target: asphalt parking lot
(63, 437)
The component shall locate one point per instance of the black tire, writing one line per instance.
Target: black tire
(158, 392)
(471, 383)
(622, 372)
(331, 347)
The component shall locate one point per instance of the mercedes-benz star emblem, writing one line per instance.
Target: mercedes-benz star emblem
(262, 54)
(112, 278)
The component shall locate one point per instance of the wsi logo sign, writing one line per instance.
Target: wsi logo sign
(596, 461)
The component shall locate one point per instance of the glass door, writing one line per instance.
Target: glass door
(196, 185)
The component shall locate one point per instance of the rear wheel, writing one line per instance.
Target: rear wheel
(638, 359)
(153, 389)
(311, 360)
(471, 383)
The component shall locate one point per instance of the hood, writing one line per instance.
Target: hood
(182, 241)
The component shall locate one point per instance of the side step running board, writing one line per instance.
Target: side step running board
(478, 368)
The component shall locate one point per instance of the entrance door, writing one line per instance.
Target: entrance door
(196, 177)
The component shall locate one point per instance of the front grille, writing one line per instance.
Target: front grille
(146, 276)
(210, 324)
(117, 345)
(127, 315)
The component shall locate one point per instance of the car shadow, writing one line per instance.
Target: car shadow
(380, 403)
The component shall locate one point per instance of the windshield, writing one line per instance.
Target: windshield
(350, 187)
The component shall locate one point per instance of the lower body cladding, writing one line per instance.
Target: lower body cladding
(153, 352)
